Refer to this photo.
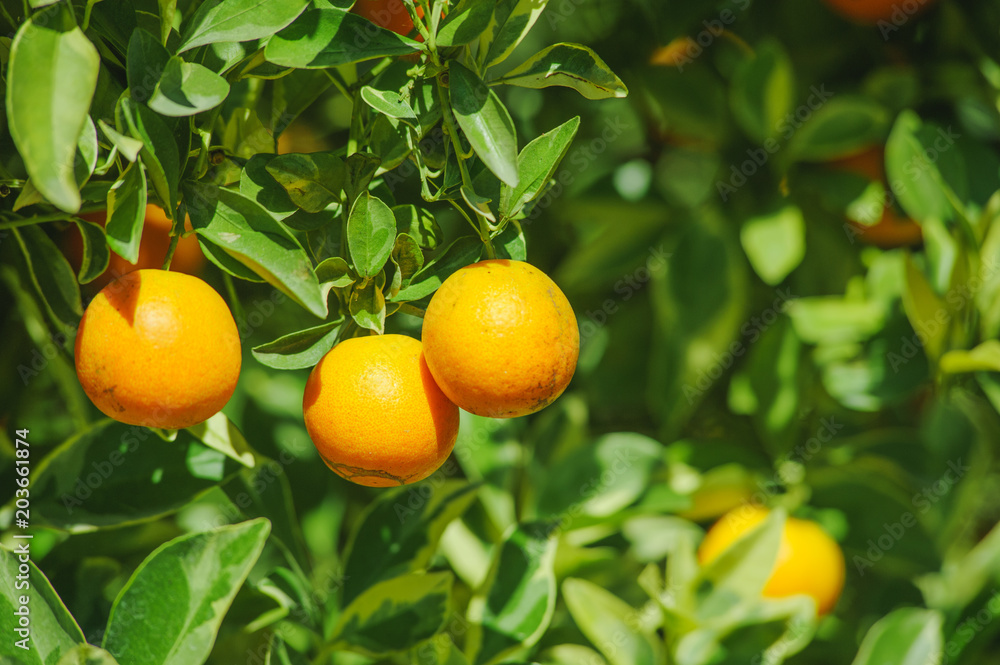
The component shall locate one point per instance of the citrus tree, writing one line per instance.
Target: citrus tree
(286, 380)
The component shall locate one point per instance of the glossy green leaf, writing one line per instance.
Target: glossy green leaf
(299, 350)
(775, 243)
(742, 570)
(51, 78)
(51, 274)
(419, 224)
(52, 632)
(221, 434)
(95, 251)
(238, 21)
(126, 212)
(922, 165)
(171, 608)
(465, 22)
(512, 19)
(570, 65)
(536, 165)
(399, 532)
(838, 126)
(521, 595)
(87, 654)
(371, 232)
(458, 254)
(367, 304)
(127, 146)
(762, 91)
(145, 61)
(113, 474)
(396, 614)
(511, 244)
(388, 102)
(407, 259)
(159, 153)
(187, 88)
(312, 181)
(907, 636)
(329, 37)
(927, 312)
(257, 184)
(605, 620)
(485, 122)
(251, 236)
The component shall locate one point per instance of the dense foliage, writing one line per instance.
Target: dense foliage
(766, 319)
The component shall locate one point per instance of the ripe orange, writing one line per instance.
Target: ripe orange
(873, 11)
(809, 561)
(375, 414)
(158, 349)
(891, 230)
(501, 339)
(390, 14)
(152, 248)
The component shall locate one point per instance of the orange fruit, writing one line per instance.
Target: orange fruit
(891, 230)
(375, 413)
(873, 11)
(501, 339)
(389, 14)
(158, 349)
(153, 246)
(809, 561)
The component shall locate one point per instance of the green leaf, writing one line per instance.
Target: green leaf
(301, 349)
(511, 244)
(51, 274)
(521, 597)
(742, 570)
(371, 232)
(907, 636)
(367, 304)
(171, 608)
(87, 654)
(419, 224)
(329, 37)
(390, 103)
(52, 633)
(570, 65)
(51, 79)
(257, 184)
(399, 532)
(312, 181)
(983, 358)
(127, 146)
(762, 91)
(775, 243)
(925, 310)
(460, 253)
(159, 153)
(95, 251)
(187, 88)
(250, 235)
(485, 121)
(334, 273)
(238, 21)
(221, 434)
(408, 260)
(397, 614)
(605, 620)
(145, 60)
(839, 126)
(512, 19)
(578, 470)
(465, 22)
(536, 165)
(126, 212)
(916, 165)
(112, 474)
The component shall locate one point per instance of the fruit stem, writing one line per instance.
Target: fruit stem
(170, 250)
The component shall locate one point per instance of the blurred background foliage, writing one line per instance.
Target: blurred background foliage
(765, 315)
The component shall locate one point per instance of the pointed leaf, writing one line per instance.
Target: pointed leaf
(171, 608)
(238, 21)
(95, 251)
(604, 619)
(367, 304)
(159, 153)
(371, 232)
(569, 65)
(460, 253)
(51, 79)
(908, 636)
(485, 121)
(465, 22)
(388, 102)
(187, 88)
(51, 274)
(536, 165)
(512, 19)
(312, 181)
(126, 213)
(299, 350)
